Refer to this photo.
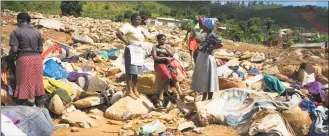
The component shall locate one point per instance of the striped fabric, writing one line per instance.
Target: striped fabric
(29, 77)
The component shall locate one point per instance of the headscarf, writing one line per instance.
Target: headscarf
(201, 19)
(208, 23)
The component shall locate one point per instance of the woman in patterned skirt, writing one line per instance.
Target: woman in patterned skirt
(26, 47)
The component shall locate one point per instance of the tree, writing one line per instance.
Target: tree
(243, 4)
(128, 14)
(71, 8)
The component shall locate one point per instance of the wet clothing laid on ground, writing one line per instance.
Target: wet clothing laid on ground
(54, 70)
(319, 122)
(73, 59)
(205, 77)
(34, 121)
(73, 77)
(9, 128)
(27, 40)
(273, 84)
(315, 88)
(52, 49)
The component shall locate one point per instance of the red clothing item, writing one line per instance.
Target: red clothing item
(163, 71)
(192, 44)
(52, 49)
(29, 73)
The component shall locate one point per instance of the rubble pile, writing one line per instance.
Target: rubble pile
(258, 93)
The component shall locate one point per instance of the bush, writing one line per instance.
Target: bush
(71, 8)
(290, 43)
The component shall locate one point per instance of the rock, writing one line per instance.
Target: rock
(304, 77)
(185, 125)
(224, 71)
(186, 108)
(199, 130)
(89, 102)
(257, 86)
(82, 39)
(161, 128)
(116, 97)
(299, 120)
(288, 70)
(95, 84)
(114, 122)
(281, 77)
(94, 37)
(233, 62)
(246, 65)
(86, 94)
(189, 99)
(128, 126)
(258, 57)
(171, 115)
(325, 71)
(56, 105)
(326, 99)
(246, 55)
(75, 129)
(147, 84)
(59, 126)
(113, 71)
(52, 24)
(98, 59)
(309, 68)
(96, 111)
(220, 130)
(271, 71)
(95, 117)
(226, 84)
(79, 119)
(126, 108)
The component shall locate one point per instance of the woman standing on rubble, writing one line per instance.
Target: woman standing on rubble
(162, 57)
(26, 47)
(133, 37)
(205, 79)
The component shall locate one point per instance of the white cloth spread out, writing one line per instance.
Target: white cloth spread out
(8, 128)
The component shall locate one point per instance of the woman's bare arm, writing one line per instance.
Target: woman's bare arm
(121, 36)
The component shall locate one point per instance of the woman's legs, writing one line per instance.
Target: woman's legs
(130, 86)
(179, 91)
(135, 80)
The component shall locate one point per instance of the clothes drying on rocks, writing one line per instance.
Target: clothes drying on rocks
(52, 49)
(273, 84)
(34, 121)
(54, 70)
(73, 77)
(315, 88)
(308, 106)
(8, 127)
(51, 85)
(73, 59)
(319, 122)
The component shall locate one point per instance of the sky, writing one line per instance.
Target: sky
(317, 3)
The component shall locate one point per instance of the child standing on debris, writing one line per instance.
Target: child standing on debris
(194, 29)
(205, 79)
(162, 57)
(26, 47)
(133, 37)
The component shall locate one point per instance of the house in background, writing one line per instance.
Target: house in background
(161, 21)
(307, 37)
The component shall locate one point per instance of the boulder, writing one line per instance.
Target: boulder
(305, 77)
(116, 97)
(95, 84)
(78, 119)
(147, 84)
(185, 125)
(220, 130)
(310, 68)
(127, 108)
(89, 102)
(271, 71)
(52, 24)
(82, 39)
(56, 105)
(288, 70)
(325, 71)
(94, 36)
(281, 77)
(258, 57)
(299, 120)
(226, 84)
(113, 71)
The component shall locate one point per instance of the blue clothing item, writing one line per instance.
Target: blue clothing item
(253, 71)
(67, 50)
(104, 55)
(208, 23)
(273, 84)
(308, 106)
(54, 70)
(240, 74)
(34, 121)
(147, 129)
(112, 52)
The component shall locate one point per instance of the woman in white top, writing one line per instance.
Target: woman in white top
(133, 37)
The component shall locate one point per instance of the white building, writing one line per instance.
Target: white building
(161, 21)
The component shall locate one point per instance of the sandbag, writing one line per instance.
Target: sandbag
(305, 77)
(299, 120)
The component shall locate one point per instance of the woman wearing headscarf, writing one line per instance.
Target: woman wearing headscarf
(133, 37)
(163, 57)
(205, 79)
(26, 47)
